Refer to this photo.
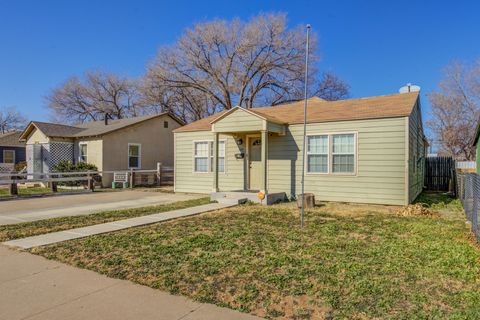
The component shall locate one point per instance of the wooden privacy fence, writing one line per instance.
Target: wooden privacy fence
(440, 174)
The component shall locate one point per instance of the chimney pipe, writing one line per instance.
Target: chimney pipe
(106, 118)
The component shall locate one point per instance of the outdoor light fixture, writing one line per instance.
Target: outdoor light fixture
(239, 141)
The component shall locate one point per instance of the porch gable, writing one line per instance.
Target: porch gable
(242, 120)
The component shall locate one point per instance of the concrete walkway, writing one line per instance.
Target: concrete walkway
(24, 210)
(35, 288)
(60, 236)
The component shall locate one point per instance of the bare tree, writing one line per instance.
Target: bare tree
(258, 62)
(186, 103)
(11, 119)
(456, 110)
(90, 98)
(330, 87)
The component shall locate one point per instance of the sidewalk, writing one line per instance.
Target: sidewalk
(32, 287)
(54, 237)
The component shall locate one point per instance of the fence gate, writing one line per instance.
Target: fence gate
(440, 174)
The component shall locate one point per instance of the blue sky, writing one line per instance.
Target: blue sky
(376, 46)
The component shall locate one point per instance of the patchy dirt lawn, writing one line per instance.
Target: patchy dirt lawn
(350, 261)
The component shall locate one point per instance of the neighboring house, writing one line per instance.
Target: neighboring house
(477, 147)
(133, 143)
(368, 150)
(12, 151)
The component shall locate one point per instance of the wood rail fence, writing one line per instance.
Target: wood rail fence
(161, 176)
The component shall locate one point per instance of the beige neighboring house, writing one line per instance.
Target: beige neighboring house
(367, 150)
(133, 143)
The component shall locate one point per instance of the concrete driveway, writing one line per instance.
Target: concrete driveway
(24, 210)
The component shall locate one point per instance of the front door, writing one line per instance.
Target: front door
(255, 163)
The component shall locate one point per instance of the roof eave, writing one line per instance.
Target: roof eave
(24, 132)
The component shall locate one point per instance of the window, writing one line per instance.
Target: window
(221, 156)
(82, 154)
(134, 156)
(8, 156)
(317, 154)
(165, 124)
(203, 156)
(343, 153)
(333, 153)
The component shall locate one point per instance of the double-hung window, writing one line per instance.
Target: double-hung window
(334, 153)
(134, 155)
(83, 152)
(221, 156)
(8, 156)
(203, 156)
(343, 152)
(317, 154)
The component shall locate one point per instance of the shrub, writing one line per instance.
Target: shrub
(20, 165)
(69, 166)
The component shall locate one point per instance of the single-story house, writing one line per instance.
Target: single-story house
(367, 150)
(12, 151)
(132, 143)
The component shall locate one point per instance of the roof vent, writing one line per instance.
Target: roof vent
(409, 88)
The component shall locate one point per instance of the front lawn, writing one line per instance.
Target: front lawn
(27, 229)
(5, 192)
(350, 261)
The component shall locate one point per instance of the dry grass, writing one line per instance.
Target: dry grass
(349, 262)
(416, 210)
(27, 229)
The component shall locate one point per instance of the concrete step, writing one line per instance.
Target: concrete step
(242, 197)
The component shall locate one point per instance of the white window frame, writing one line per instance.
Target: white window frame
(308, 153)
(341, 153)
(80, 152)
(9, 150)
(139, 155)
(212, 147)
(195, 156)
(209, 156)
(330, 154)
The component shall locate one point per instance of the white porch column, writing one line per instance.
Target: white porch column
(264, 161)
(215, 162)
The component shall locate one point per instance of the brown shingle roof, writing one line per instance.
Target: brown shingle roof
(11, 139)
(97, 128)
(56, 130)
(319, 110)
(88, 129)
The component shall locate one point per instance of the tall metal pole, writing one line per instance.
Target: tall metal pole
(304, 128)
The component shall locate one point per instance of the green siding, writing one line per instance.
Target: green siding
(381, 163)
(477, 156)
(239, 120)
(381, 159)
(416, 158)
(188, 181)
(275, 127)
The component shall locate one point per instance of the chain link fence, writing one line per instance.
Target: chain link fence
(468, 192)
